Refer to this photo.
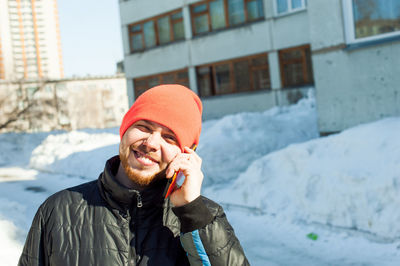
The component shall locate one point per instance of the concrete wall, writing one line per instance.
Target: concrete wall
(136, 10)
(353, 86)
(16, 96)
(219, 106)
(269, 35)
(94, 102)
(290, 30)
(325, 23)
(157, 60)
(90, 102)
(237, 42)
(357, 86)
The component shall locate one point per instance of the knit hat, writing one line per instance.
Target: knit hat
(173, 106)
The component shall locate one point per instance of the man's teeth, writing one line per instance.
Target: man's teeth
(145, 159)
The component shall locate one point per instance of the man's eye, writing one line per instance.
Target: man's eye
(143, 128)
(170, 138)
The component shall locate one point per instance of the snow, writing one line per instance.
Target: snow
(349, 180)
(252, 135)
(64, 153)
(276, 179)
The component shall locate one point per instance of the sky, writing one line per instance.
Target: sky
(90, 36)
(292, 197)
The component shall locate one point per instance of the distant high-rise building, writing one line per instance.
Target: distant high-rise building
(30, 46)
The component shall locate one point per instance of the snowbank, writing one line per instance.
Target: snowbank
(227, 146)
(10, 248)
(230, 144)
(75, 153)
(348, 180)
(16, 148)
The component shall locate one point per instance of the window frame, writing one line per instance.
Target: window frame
(155, 19)
(290, 10)
(349, 27)
(226, 12)
(160, 76)
(232, 84)
(307, 77)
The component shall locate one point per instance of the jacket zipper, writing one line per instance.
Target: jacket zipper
(134, 257)
(139, 205)
(128, 218)
(139, 200)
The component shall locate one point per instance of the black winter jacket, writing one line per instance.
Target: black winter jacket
(103, 223)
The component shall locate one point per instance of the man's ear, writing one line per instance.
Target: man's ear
(119, 148)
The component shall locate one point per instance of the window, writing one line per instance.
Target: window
(367, 20)
(156, 31)
(175, 77)
(296, 67)
(236, 12)
(213, 15)
(233, 76)
(288, 6)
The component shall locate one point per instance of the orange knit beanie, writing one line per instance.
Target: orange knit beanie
(173, 106)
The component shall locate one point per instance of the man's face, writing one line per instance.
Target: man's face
(146, 149)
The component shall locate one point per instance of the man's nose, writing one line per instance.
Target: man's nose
(152, 143)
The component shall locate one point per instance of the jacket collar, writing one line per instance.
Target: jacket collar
(121, 197)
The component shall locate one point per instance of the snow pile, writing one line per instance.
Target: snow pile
(230, 144)
(75, 153)
(347, 180)
(10, 248)
(274, 192)
(11, 237)
(16, 148)
(251, 135)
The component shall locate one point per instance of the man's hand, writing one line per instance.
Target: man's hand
(189, 163)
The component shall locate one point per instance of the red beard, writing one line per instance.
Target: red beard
(135, 175)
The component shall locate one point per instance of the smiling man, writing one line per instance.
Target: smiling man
(123, 218)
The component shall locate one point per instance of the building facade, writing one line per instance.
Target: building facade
(30, 46)
(238, 55)
(355, 49)
(69, 104)
(251, 55)
(93, 102)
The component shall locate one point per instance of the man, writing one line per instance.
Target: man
(122, 218)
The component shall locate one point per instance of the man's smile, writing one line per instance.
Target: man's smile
(144, 159)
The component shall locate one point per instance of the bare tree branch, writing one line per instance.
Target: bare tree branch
(25, 105)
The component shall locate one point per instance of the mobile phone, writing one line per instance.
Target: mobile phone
(175, 181)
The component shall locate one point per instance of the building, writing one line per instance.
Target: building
(30, 45)
(69, 104)
(356, 59)
(93, 102)
(237, 55)
(251, 55)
